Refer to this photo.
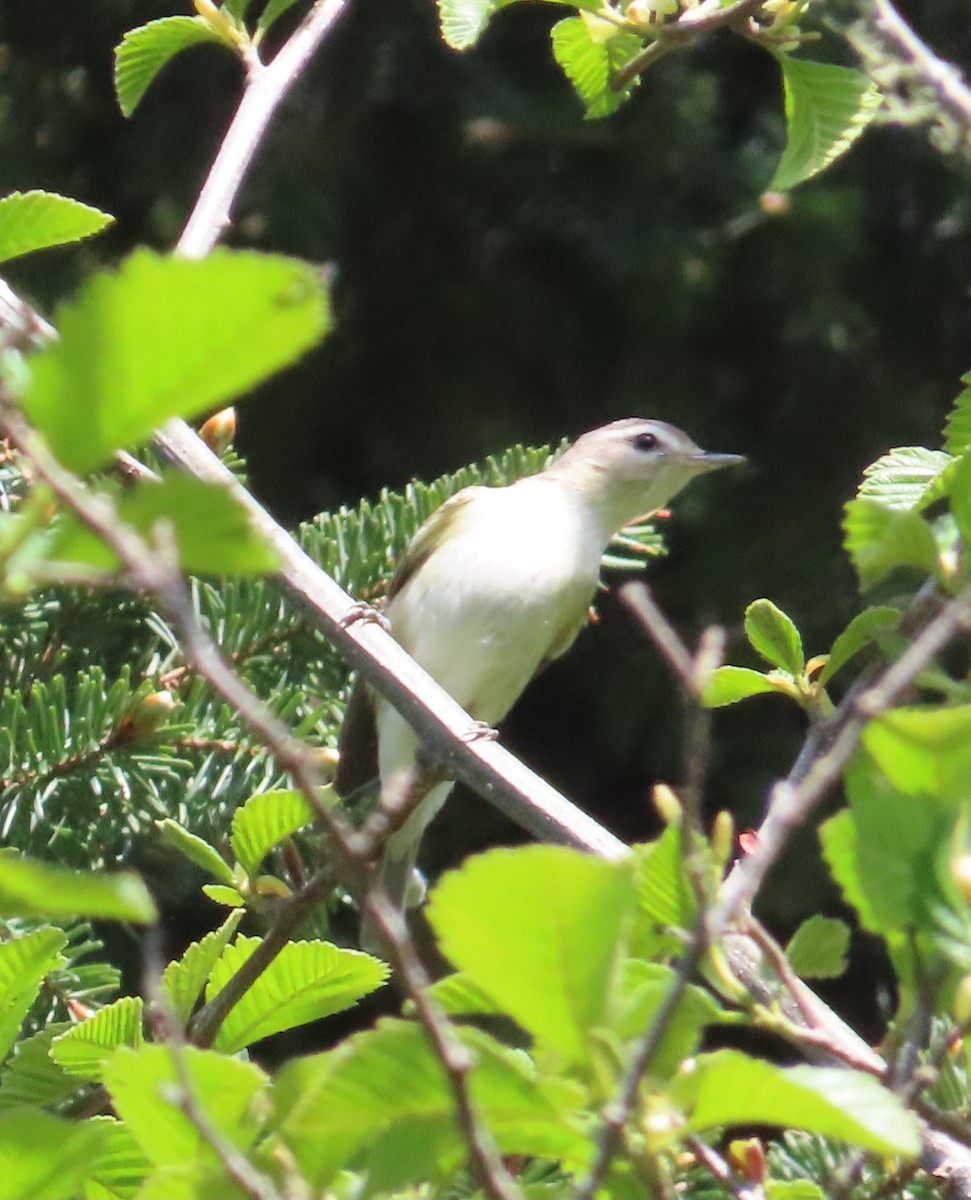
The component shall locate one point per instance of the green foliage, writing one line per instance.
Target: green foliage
(45, 1157)
(84, 1049)
(774, 635)
(818, 948)
(144, 51)
(165, 337)
(183, 981)
(879, 540)
(827, 108)
(264, 821)
(32, 221)
(590, 51)
(37, 889)
(24, 964)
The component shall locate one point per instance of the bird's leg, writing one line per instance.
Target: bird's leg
(479, 731)
(360, 610)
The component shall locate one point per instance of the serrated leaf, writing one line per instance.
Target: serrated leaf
(666, 900)
(43, 1157)
(213, 533)
(119, 1167)
(878, 540)
(590, 63)
(459, 996)
(264, 821)
(144, 51)
(924, 750)
(861, 631)
(228, 896)
(272, 13)
(36, 220)
(818, 948)
(728, 685)
(145, 1090)
(900, 479)
(34, 889)
(195, 849)
(183, 981)
(463, 20)
(883, 852)
(959, 491)
(539, 929)
(827, 108)
(30, 1076)
(24, 963)
(957, 428)
(306, 981)
(729, 1088)
(163, 337)
(773, 634)
(84, 1049)
(386, 1090)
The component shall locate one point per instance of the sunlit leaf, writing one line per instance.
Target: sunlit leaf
(865, 628)
(183, 980)
(818, 948)
(728, 685)
(36, 220)
(264, 821)
(34, 889)
(195, 849)
(305, 981)
(900, 479)
(24, 964)
(957, 429)
(924, 749)
(880, 539)
(589, 63)
(44, 1157)
(827, 108)
(31, 1076)
(163, 337)
(84, 1049)
(774, 635)
(538, 928)
(144, 51)
(729, 1088)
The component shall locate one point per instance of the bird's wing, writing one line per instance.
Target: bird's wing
(429, 537)
(357, 763)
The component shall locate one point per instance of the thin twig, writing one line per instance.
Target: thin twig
(794, 798)
(618, 1111)
(946, 80)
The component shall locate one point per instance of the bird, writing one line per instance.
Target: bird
(494, 585)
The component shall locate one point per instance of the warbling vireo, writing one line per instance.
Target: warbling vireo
(499, 581)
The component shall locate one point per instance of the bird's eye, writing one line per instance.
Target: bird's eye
(645, 441)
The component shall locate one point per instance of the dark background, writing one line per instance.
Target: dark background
(506, 271)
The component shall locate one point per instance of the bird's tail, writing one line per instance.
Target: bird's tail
(397, 877)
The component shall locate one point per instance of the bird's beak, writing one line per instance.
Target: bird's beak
(714, 462)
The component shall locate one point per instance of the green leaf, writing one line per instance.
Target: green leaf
(213, 533)
(880, 539)
(31, 1076)
(183, 981)
(539, 929)
(884, 852)
(229, 896)
(666, 900)
(264, 821)
(775, 636)
(959, 491)
(36, 220)
(728, 685)
(145, 1090)
(865, 628)
(463, 20)
(729, 1088)
(24, 963)
(195, 850)
(957, 429)
(827, 108)
(43, 1157)
(119, 1167)
(385, 1090)
(35, 889)
(306, 981)
(924, 750)
(85, 1048)
(589, 63)
(793, 1189)
(272, 13)
(901, 478)
(459, 996)
(166, 337)
(144, 51)
(817, 950)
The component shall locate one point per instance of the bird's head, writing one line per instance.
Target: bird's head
(635, 466)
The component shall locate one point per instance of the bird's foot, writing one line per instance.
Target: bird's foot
(360, 610)
(480, 731)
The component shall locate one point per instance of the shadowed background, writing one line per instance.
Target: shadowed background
(506, 271)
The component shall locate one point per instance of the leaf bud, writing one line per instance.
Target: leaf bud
(144, 717)
(667, 804)
(220, 430)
